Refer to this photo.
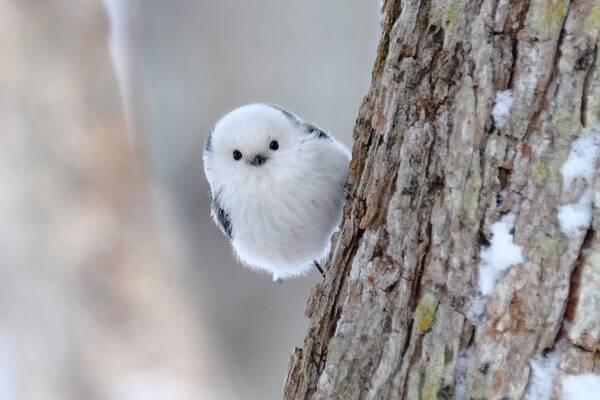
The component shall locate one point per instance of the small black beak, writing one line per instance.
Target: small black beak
(258, 160)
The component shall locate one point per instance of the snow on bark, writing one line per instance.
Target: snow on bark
(440, 159)
(502, 106)
(499, 256)
(578, 174)
(544, 369)
(580, 387)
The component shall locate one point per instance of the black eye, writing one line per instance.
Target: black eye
(237, 155)
(274, 145)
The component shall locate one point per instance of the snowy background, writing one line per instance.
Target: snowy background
(79, 314)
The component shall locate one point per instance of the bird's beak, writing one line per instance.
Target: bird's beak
(258, 160)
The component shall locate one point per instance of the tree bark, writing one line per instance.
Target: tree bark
(402, 312)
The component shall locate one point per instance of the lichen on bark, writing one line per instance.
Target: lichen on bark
(431, 172)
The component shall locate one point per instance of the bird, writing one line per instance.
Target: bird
(278, 188)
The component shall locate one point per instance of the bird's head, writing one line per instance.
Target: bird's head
(253, 144)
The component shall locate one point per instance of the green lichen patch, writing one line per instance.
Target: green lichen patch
(433, 378)
(448, 355)
(566, 121)
(471, 194)
(450, 14)
(592, 21)
(425, 312)
(554, 163)
(539, 173)
(550, 248)
(334, 350)
(548, 16)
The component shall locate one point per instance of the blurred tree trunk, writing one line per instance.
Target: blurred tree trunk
(400, 314)
(89, 306)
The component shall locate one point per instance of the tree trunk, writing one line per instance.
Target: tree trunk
(468, 264)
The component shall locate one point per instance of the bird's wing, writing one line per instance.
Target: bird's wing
(314, 130)
(221, 218)
(308, 128)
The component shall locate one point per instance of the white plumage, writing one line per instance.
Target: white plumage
(278, 187)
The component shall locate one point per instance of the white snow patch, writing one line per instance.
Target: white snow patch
(476, 308)
(581, 387)
(501, 254)
(543, 372)
(581, 163)
(502, 106)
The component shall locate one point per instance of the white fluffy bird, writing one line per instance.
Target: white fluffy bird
(278, 187)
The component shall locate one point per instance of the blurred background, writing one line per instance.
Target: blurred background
(114, 283)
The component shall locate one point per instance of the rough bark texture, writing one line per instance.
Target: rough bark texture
(399, 315)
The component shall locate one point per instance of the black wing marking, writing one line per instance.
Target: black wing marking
(308, 128)
(313, 130)
(221, 218)
(291, 116)
(208, 144)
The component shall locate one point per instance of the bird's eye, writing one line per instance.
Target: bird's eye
(237, 155)
(274, 145)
